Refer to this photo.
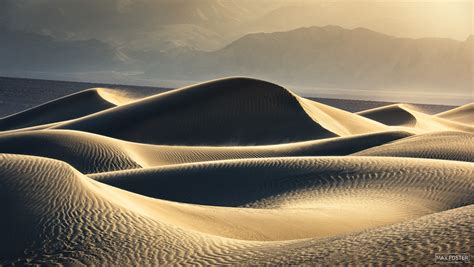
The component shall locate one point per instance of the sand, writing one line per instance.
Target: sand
(234, 171)
(405, 115)
(92, 153)
(69, 107)
(439, 145)
(463, 114)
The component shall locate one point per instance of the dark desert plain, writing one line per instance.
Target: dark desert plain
(236, 133)
(234, 171)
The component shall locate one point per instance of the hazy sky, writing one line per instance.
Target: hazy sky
(122, 19)
(416, 19)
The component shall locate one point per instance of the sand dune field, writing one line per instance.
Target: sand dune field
(234, 171)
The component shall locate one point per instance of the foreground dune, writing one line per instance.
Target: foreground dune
(234, 171)
(91, 153)
(66, 217)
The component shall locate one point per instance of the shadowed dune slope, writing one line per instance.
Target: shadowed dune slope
(91, 153)
(408, 116)
(69, 107)
(62, 217)
(440, 145)
(462, 114)
(301, 182)
(232, 111)
(394, 115)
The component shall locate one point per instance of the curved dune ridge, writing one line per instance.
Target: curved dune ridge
(234, 171)
(228, 111)
(91, 153)
(297, 182)
(69, 107)
(221, 112)
(66, 217)
(462, 114)
(340, 122)
(440, 145)
(407, 116)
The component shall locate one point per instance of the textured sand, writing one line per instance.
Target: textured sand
(234, 171)
(66, 108)
(91, 153)
(224, 112)
(439, 145)
(54, 214)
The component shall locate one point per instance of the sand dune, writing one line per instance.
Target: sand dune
(91, 153)
(65, 108)
(296, 182)
(408, 116)
(440, 145)
(338, 121)
(462, 114)
(234, 171)
(224, 112)
(68, 218)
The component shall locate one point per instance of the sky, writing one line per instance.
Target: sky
(119, 21)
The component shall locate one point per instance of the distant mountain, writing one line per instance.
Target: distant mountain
(20, 51)
(329, 56)
(136, 24)
(332, 56)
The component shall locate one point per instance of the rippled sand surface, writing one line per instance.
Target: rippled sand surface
(234, 171)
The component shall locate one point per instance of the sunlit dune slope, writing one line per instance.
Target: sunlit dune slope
(91, 153)
(231, 111)
(300, 182)
(408, 116)
(439, 145)
(462, 114)
(338, 121)
(61, 216)
(65, 108)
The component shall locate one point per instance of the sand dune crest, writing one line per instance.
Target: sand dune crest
(91, 153)
(462, 114)
(65, 108)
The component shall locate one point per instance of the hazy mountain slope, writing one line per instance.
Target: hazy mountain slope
(20, 51)
(334, 57)
(143, 24)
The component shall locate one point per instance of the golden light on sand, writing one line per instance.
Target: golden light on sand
(233, 171)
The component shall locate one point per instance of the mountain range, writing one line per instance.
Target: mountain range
(332, 56)
(328, 57)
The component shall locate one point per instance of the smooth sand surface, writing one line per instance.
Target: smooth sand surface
(235, 171)
(408, 116)
(462, 114)
(65, 108)
(56, 214)
(92, 153)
